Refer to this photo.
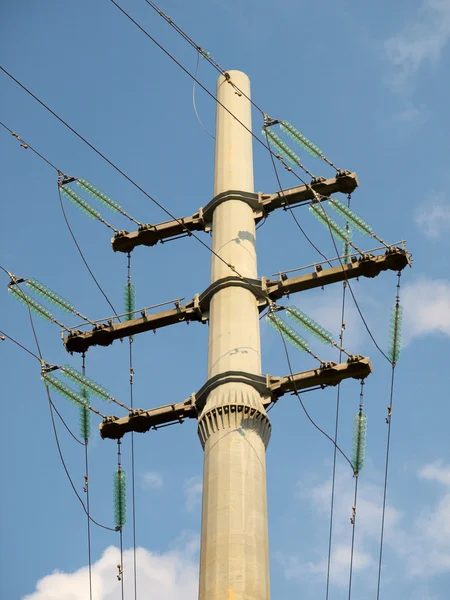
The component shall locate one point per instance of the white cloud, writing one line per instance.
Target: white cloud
(152, 479)
(410, 114)
(171, 576)
(436, 471)
(433, 217)
(419, 545)
(325, 307)
(426, 304)
(193, 488)
(422, 40)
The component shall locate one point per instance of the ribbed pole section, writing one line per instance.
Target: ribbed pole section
(233, 427)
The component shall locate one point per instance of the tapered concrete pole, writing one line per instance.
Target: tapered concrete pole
(233, 427)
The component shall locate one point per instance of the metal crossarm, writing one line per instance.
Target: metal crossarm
(149, 235)
(329, 374)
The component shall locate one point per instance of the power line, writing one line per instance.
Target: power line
(86, 488)
(55, 432)
(137, 186)
(388, 445)
(336, 428)
(296, 392)
(290, 207)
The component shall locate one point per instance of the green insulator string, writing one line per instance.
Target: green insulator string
(318, 211)
(394, 355)
(309, 324)
(301, 139)
(54, 298)
(86, 432)
(350, 216)
(129, 293)
(396, 328)
(359, 441)
(313, 328)
(85, 417)
(284, 150)
(91, 385)
(289, 334)
(359, 447)
(104, 199)
(81, 379)
(305, 142)
(40, 310)
(120, 507)
(66, 392)
(48, 294)
(84, 206)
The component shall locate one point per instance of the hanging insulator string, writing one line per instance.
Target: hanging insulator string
(358, 460)
(120, 509)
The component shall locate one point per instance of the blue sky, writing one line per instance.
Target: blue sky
(368, 83)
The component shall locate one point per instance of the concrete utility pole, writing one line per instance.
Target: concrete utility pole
(233, 427)
(230, 407)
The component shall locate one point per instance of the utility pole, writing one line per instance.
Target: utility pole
(230, 407)
(234, 428)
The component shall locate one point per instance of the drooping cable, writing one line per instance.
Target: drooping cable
(165, 210)
(194, 104)
(85, 429)
(297, 394)
(394, 350)
(348, 283)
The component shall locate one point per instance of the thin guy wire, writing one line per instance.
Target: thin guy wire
(86, 461)
(133, 495)
(296, 392)
(137, 186)
(83, 258)
(336, 428)
(193, 100)
(386, 469)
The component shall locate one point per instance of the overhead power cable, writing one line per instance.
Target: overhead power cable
(395, 354)
(296, 392)
(26, 145)
(137, 186)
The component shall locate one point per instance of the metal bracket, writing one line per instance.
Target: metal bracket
(253, 285)
(256, 381)
(253, 200)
